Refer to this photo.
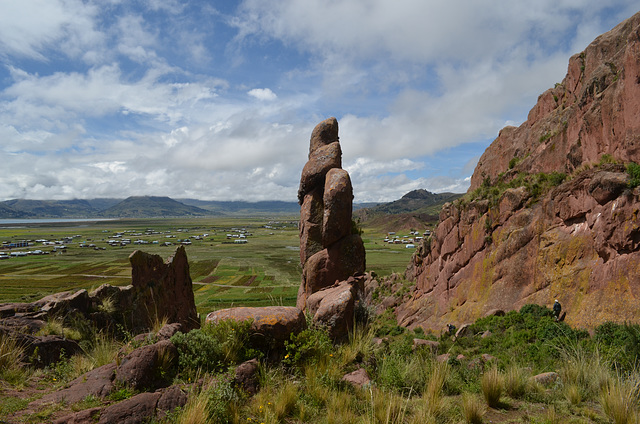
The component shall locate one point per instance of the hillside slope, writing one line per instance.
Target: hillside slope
(517, 239)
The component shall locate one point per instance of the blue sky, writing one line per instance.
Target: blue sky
(216, 100)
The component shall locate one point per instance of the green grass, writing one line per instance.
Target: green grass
(265, 271)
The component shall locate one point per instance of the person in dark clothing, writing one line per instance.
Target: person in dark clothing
(557, 308)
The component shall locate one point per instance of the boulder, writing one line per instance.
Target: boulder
(344, 259)
(148, 367)
(334, 308)
(464, 331)
(358, 378)
(46, 350)
(97, 382)
(87, 416)
(270, 325)
(246, 376)
(545, 378)
(171, 398)
(138, 409)
(428, 344)
(311, 215)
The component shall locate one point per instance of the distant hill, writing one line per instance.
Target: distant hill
(413, 210)
(151, 206)
(415, 202)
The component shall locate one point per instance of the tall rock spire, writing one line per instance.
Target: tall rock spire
(329, 252)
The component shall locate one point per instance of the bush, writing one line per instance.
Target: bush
(633, 169)
(308, 346)
(214, 346)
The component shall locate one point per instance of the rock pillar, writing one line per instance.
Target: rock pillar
(329, 252)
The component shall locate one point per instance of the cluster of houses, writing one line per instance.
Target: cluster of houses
(408, 240)
(118, 239)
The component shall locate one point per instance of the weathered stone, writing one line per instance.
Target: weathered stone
(247, 376)
(87, 416)
(358, 378)
(606, 186)
(464, 331)
(334, 308)
(97, 382)
(135, 410)
(162, 290)
(444, 357)
(545, 378)
(338, 202)
(429, 344)
(320, 162)
(64, 302)
(46, 350)
(326, 132)
(269, 325)
(170, 398)
(337, 263)
(148, 367)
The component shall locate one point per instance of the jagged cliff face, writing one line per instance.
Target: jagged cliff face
(580, 242)
(594, 111)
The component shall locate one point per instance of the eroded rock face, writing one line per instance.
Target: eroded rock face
(568, 246)
(594, 111)
(328, 250)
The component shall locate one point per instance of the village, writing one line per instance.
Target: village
(409, 241)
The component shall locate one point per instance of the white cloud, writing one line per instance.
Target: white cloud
(262, 94)
(144, 98)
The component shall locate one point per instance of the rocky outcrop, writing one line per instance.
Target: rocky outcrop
(580, 242)
(270, 326)
(163, 290)
(159, 291)
(594, 111)
(329, 252)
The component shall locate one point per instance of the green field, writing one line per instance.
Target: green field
(264, 271)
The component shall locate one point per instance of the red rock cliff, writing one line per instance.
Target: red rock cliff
(580, 242)
(594, 111)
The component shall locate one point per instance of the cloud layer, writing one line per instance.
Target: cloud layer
(112, 99)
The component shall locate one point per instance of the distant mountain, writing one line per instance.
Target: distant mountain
(245, 208)
(415, 202)
(151, 206)
(49, 208)
(144, 207)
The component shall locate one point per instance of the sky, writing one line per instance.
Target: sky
(216, 100)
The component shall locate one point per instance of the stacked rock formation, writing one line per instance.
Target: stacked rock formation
(329, 251)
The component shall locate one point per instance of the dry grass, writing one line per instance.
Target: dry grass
(492, 385)
(472, 409)
(516, 381)
(619, 400)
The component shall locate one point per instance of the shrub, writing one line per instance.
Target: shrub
(308, 346)
(214, 346)
(515, 381)
(633, 169)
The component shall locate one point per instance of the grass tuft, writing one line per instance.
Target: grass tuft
(492, 385)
